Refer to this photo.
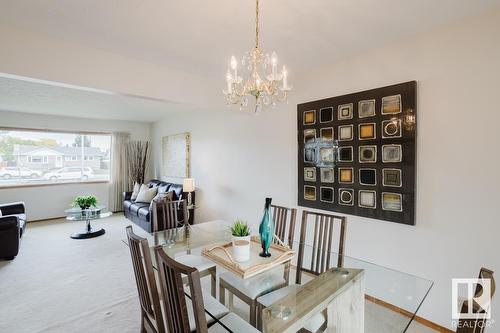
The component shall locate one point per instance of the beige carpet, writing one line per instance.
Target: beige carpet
(57, 284)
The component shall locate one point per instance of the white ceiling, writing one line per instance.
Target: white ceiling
(42, 97)
(200, 36)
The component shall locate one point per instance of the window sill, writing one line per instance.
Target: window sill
(53, 184)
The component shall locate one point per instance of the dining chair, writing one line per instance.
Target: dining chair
(169, 214)
(477, 325)
(184, 310)
(166, 215)
(151, 315)
(249, 290)
(326, 230)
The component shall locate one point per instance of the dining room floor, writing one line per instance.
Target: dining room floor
(57, 284)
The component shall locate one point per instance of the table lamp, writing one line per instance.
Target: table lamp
(188, 186)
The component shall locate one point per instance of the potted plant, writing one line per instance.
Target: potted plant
(241, 240)
(85, 201)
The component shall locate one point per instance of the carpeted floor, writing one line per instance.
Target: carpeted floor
(57, 284)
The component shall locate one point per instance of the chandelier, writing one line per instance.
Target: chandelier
(262, 80)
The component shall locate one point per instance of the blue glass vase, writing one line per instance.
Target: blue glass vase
(266, 229)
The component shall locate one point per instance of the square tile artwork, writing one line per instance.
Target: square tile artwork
(358, 153)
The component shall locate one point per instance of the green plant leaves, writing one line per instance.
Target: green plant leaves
(240, 228)
(85, 201)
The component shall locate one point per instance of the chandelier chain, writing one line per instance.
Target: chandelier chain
(257, 24)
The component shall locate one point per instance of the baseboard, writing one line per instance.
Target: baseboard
(408, 314)
(47, 219)
(61, 217)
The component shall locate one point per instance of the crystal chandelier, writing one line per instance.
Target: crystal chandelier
(263, 81)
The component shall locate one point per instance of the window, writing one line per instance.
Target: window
(38, 159)
(41, 157)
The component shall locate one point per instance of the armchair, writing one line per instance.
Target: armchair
(12, 227)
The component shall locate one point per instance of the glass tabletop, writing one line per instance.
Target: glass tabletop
(92, 213)
(389, 299)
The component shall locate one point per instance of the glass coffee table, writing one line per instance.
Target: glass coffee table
(93, 213)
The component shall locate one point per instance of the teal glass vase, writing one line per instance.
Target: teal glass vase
(266, 229)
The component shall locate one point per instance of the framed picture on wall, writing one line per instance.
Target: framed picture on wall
(371, 170)
(175, 151)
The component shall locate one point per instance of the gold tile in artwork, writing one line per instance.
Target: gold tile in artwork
(309, 117)
(309, 192)
(345, 175)
(392, 201)
(366, 131)
(391, 104)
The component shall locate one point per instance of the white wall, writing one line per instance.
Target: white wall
(44, 202)
(239, 159)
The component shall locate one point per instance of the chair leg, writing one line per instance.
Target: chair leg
(231, 301)
(213, 282)
(143, 324)
(222, 294)
(253, 312)
(259, 316)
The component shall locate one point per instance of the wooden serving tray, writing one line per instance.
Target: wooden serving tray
(222, 255)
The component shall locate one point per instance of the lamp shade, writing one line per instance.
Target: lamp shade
(188, 185)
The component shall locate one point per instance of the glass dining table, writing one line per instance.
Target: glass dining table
(358, 297)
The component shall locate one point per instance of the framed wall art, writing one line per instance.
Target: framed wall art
(175, 156)
(357, 153)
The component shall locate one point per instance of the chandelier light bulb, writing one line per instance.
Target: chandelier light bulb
(285, 79)
(234, 63)
(274, 58)
(229, 79)
(274, 61)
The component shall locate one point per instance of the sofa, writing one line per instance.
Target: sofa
(142, 213)
(12, 228)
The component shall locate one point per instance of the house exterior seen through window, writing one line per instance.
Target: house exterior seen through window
(38, 157)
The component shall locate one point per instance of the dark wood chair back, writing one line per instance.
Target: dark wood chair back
(477, 325)
(172, 286)
(169, 214)
(146, 282)
(284, 223)
(324, 228)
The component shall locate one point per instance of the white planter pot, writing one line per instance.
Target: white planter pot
(241, 248)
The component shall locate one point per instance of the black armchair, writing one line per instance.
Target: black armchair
(12, 227)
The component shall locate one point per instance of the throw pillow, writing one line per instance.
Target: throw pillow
(146, 194)
(162, 197)
(135, 192)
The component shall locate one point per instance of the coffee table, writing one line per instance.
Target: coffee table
(93, 213)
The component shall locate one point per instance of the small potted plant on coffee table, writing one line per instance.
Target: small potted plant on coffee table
(241, 240)
(85, 201)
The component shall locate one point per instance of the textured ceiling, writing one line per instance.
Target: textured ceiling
(45, 98)
(200, 36)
